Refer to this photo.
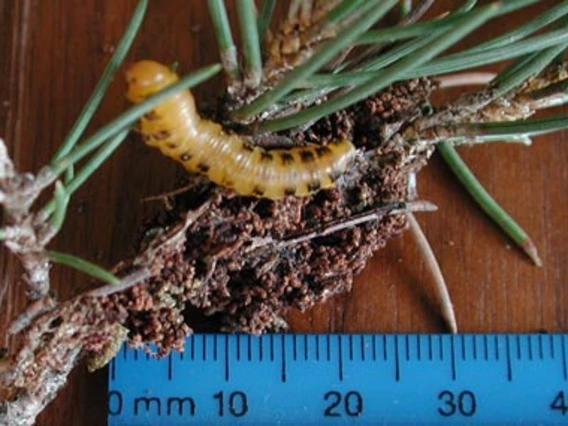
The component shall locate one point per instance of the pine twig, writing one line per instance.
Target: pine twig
(341, 224)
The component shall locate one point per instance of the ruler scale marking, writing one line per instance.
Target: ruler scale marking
(249, 347)
(113, 369)
(468, 379)
(418, 344)
(227, 373)
(283, 356)
(563, 349)
(474, 346)
(508, 354)
(453, 359)
(396, 359)
(340, 357)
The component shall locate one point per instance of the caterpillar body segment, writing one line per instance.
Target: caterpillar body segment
(202, 146)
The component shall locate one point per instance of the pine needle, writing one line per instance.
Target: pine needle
(101, 88)
(498, 131)
(83, 266)
(60, 207)
(451, 63)
(227, 49)
(324, 54)
(128, 117)
(86, 171)
(487, 202)
(468, 59)
(534, 24)
(432, 265)
(265, 17)
(531, 68)
(250, 42)
(413, 30)
(388, 75)
(465, 79)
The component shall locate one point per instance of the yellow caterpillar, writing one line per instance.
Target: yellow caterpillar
(203, 147)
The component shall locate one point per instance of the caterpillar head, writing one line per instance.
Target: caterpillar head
(145, 78)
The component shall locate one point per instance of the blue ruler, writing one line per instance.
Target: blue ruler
(345, 379)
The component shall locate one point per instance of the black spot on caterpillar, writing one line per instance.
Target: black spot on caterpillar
(203, 147)
(307, 156)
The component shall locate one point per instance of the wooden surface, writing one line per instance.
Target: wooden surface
(51, 54)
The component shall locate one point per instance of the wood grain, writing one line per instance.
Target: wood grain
(51, 54)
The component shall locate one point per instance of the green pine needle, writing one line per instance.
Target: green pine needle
(322, 56)
(514, 67)
(250, 41)
(534, 24)
(60, 209)
(347, 10)
(265, 17)
(439, 43)
(405, 7)
(467, 59)
(128, 117)
(556, 40)
(531, 68)
(511, 130)
(425, 28)
(409, 31)
(487, 202)
(83, 266)
(88, 169)
(399, 52)
(227, 49)
(94, 101)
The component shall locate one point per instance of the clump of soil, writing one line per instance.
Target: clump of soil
(243, 260)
